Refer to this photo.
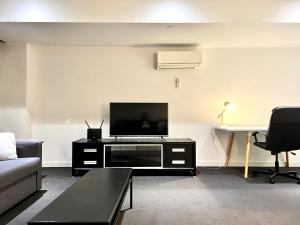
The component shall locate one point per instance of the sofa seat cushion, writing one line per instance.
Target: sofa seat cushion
(14, 170)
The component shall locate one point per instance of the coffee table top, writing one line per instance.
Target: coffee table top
(94, 198)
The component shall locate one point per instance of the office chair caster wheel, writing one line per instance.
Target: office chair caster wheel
(298, 181)
(271, 181)
(254, 174)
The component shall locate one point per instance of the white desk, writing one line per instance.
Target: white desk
(249, 129)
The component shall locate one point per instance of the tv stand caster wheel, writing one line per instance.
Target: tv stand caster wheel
(271, 181)
(254, 174)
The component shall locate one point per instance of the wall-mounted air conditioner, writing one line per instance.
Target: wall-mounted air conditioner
(178, 60)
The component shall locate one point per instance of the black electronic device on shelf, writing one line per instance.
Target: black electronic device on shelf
(138, 119)
(94, 134)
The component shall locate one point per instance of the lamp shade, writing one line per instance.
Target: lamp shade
(229, 106)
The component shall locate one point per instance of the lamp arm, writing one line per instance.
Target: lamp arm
(221, 113)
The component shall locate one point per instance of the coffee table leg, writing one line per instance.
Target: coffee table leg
(131, 193)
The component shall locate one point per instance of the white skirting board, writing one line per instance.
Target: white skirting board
(57, 164)
(199, 164)
(251, 164)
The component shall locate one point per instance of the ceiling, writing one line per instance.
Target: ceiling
(150, 11)
(149, 34)
(204, 23)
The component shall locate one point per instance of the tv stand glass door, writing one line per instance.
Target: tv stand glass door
(133, 155)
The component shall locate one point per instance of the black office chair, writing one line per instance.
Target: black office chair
(283, 136)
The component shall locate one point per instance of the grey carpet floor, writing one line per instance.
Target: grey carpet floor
(213, 197)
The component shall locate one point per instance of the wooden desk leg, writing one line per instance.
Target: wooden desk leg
(131, 193)
(287, 162)
(229, 147)
(248, 147)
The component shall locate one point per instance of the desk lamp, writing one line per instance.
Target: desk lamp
(229, 107)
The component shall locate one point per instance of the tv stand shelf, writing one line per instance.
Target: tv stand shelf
(153, 156)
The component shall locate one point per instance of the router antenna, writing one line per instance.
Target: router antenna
(101, 123)
(87, 124)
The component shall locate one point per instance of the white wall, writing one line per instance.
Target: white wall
(69, 84)
(13, 112)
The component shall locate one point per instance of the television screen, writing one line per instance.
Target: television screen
(138, 119)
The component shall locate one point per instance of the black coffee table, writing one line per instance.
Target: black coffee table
(96, 198)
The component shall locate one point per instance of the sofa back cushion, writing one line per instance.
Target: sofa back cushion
(8, 148)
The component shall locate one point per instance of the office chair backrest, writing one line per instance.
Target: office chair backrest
(284, 129)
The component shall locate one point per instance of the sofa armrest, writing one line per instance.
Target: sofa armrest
(29, 148)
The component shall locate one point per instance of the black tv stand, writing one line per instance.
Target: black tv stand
(153, 156)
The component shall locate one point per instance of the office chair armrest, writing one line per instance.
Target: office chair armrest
(255, 135)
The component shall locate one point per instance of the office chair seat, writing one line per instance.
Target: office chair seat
(264, 146)
(261, 145)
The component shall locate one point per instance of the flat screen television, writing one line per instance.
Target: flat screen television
(138, 119)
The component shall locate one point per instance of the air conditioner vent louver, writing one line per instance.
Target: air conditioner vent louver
(178, 60)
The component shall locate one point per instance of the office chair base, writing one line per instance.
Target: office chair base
(289, 174)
